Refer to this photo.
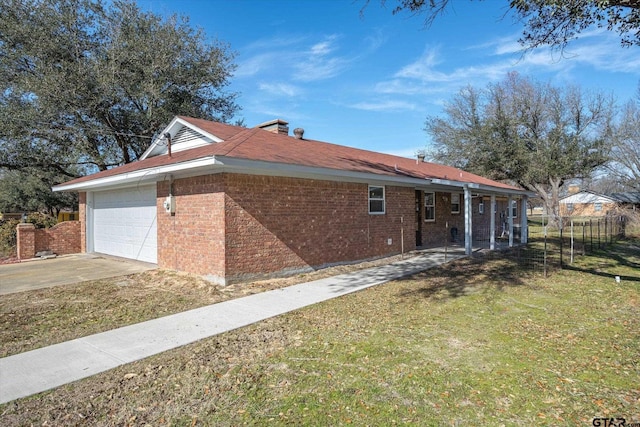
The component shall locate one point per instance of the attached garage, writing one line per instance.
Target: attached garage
(124, 223)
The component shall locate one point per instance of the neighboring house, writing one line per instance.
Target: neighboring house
(628, 200)
(586, 204)
(234, 203)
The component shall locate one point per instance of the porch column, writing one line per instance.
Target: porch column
(468, 234)
(492, 226)
(510, 217)
(524, 231)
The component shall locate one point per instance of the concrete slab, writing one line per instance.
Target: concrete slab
(65, 270)
(28, 373)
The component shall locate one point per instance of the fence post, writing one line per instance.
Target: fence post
(584, 238)
(561, 229)
(591, 234)
(599, 234)
(571, 262)
(545, 251)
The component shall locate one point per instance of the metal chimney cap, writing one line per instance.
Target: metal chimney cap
(298, 133)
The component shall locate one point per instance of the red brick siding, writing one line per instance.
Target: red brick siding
(62, 239)
(26, 241)
(193, 238)
(435, 232)
(275, 224)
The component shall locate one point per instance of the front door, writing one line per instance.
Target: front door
(418, 218)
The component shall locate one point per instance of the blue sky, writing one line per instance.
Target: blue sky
(370, 81)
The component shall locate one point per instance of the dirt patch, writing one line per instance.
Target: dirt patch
(43, 317)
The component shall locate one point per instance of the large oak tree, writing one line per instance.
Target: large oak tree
(525, 132)
(86, 84)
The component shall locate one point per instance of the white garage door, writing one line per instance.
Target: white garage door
(124, 223)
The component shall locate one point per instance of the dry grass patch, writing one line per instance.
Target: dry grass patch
(43, 317)
(440, 348)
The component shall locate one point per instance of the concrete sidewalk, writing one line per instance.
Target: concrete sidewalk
(39, 370)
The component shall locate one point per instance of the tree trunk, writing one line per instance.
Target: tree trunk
(550, 195)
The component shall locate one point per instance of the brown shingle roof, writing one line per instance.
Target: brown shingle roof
(258, 144)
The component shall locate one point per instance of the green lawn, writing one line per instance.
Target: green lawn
(475, 342)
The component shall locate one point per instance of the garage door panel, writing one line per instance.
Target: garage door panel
(124, 223)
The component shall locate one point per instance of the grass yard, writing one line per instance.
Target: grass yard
(476, 342)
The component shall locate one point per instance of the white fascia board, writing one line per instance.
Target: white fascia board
(480, 188)
(172, 128)
(140, 176)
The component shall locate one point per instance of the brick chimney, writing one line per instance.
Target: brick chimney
(278, 126)
(573, 189)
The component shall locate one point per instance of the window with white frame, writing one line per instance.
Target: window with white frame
(376, 200)
(429, 206)
(481, 206)
(514, 209)
(455, 202)
(597, 206)
(570, 207)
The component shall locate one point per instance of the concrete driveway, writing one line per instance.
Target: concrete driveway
(65, 270)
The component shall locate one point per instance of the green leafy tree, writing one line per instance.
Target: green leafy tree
(29, 190)
(88, 83)
(528, 133)
(550, 22)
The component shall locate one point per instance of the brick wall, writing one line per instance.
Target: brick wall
(193, 238)
(435, 233)
(62, 239)
(277, 224)
(585, 209)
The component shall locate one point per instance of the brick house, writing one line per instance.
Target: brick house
(589, 204)
(586, 204)
(233, 203)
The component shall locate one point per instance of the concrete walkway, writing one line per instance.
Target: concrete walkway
(39, 370)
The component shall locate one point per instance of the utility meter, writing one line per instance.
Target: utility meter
(170, 204)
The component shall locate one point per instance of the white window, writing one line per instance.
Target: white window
(514, 209)
(570, 207)
(376, 200)
(481, 206)
(455, 203)
(429, 206)
(597, 206)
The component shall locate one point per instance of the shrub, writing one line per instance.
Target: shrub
(8, 237)
(41, 220)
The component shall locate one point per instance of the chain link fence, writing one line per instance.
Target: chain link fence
(553, 245)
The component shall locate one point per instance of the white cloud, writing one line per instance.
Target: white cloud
(317, 63)
(387, 105)
(281, 89)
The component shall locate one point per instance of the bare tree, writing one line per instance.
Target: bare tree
(532, 134)
(625, 153)
(548, 22)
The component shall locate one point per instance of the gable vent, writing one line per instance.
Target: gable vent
(185, 135)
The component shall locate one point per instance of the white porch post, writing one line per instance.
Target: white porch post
(510, 216)
(524, 231)
(492, 227)
(468, 234)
